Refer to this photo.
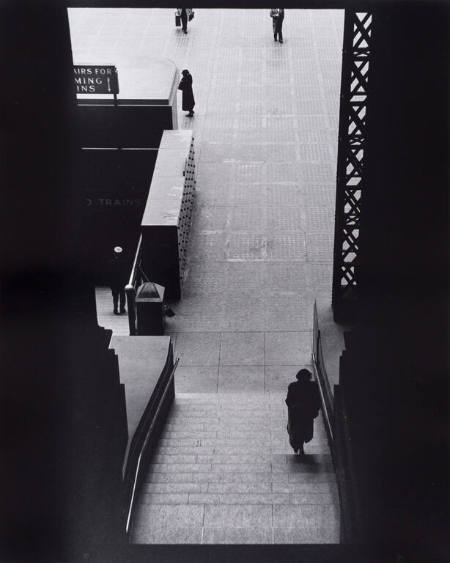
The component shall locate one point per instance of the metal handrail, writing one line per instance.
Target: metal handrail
(145, 443)
(131, 287)
(336, 423)
(321, 375)
(137, 258)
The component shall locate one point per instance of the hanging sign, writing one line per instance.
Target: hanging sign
(96, 79)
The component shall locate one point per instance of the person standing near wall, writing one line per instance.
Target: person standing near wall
(277, 15)
(118, 279)
(183, 13)
(188, 95)
(303, 401)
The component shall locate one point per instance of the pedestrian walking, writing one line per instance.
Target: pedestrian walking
(303, 401)
(277, 15)
(184, 15)
(118, 278)
(185, 86)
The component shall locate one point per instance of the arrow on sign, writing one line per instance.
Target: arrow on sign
(90, 79)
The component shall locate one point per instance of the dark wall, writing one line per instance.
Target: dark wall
(404, 209)
(38, 110)
(395, 368)
(62, 406)
(113, 186)
(123, 126)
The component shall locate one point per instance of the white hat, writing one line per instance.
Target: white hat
(118, 249)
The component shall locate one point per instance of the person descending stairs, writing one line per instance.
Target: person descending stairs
(224, 472)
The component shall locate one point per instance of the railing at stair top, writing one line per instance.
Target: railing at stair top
(147, 434)
(336, 423)
(321, 375)
(137, 277)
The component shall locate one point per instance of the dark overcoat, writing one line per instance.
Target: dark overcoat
(277, 21)
(303, 401)
(188, 95)
(184, 17)
(118, 272)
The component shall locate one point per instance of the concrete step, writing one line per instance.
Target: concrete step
(226, 473)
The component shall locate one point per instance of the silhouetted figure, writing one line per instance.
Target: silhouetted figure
(303, 401)
(183, 13)
(188, 95)
(277, 15)
(118, 279)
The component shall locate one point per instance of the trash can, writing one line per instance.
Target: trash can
(149, 309)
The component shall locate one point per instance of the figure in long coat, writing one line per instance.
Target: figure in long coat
(188, 95)
(184, 15)
(303, 401)
(277, 15)
(118, 275)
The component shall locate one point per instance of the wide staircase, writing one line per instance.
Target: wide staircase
(224, 473)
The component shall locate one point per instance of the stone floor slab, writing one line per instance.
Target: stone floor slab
(277, 378)
(164, 498)
(196, 380)
(246, 488)
(198, 349)
(308, 516)
(241, 378)
(168, 535)
(164, 515)
(242, 348)
(306, 535)
(238, 516)
(287, 348)
(237, 535)
(174, 488)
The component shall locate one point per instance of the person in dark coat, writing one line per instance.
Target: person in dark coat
(303, 401)
(184, 18)
(118, 279)
(277, 15)
(188, 95)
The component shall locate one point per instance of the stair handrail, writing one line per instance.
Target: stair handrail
(336, 424)
(320, 373)
(136, 277)
(153, 415)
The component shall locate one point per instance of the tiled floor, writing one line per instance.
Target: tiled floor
(239, 361)
(105, 314)
(261, 250)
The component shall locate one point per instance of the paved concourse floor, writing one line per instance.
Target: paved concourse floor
(105, 314)
(266, 120)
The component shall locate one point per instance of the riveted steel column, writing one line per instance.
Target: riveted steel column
(350, 166)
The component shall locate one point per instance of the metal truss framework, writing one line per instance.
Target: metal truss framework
(351, 152)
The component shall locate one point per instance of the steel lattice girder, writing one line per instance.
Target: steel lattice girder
(351, 150)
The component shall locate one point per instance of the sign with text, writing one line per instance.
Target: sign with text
(96, 79)
(113, 202)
